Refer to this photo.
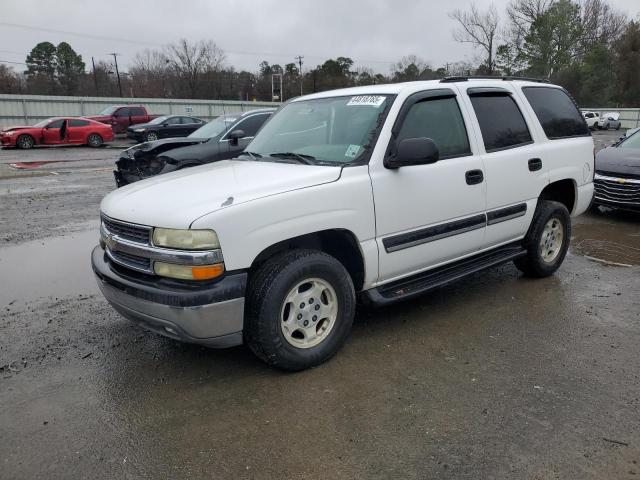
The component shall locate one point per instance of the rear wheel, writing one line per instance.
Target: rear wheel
(300, 308)
(25, 142)
(150, 137)
(94, 140)
(618, 127)
(547, 241)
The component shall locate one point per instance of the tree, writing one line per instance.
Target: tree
(409, 68)
(69, 68)
(10, 81)
(190, 62)
(479, 29)
(627, 66)
(553, 39)
(41, 68)
(508, 59)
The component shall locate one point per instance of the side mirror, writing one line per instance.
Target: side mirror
(413, 151)
(234, 136)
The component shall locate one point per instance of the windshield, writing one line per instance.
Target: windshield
(44, 123)
(158, 121)
(338, 130)
(632, 142)
(108, 111)
(214, 127)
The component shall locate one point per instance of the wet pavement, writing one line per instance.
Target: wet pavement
(496, 376)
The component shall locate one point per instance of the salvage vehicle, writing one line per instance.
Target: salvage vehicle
(121, 117)
(609, 120)
(617, 178)
(168, 126)
(222, 138)
(591, 119)
(57, 131)
(376, 193)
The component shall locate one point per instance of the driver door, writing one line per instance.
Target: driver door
(51, 133)
(432, 213)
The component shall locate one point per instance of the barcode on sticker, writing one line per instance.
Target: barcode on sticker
(369, 100)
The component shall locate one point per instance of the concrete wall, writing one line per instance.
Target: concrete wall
(629, 117)
(29, 109)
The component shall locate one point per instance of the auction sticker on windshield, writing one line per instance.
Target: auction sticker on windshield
(369, 100)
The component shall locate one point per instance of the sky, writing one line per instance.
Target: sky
(374, 33)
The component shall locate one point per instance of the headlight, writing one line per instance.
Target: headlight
(139, 130)
(186, 272)
(8, 134)
(186, 239)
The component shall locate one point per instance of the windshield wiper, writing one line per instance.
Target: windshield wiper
(251, 154)
(301, 157)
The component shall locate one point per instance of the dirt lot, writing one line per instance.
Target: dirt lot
(495, 376)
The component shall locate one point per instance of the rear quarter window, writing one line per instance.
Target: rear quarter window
(557, 113)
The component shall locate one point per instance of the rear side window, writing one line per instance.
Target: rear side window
(558, 115)
(251, 125)
(74, 122)
(441, 121)
(501, 122)
(122, 112)
(136, 111)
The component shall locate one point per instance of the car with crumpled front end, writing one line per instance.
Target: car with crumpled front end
(222, 138)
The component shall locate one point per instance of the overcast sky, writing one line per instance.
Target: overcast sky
(373, 33)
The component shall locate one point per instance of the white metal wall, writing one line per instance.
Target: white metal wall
(29, 109)
(629, 117)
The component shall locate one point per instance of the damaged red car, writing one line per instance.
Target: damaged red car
(58, 131)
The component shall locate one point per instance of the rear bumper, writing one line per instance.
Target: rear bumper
(211, 316)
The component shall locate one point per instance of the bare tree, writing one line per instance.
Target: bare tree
(522, 13)
(601, 23)
(191, 61)
(478, 28)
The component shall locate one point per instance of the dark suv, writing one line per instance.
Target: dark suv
(221, 139)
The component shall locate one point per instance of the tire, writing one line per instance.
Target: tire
(546, 253)
(618, 127)
(151, 137)
(274, 327)
(94, 140)
(25, 142)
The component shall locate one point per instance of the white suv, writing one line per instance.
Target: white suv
(375, 193)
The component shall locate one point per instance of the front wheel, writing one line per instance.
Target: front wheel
(25, 142)
(547, 240)
(150, 137)
(94, 140)
(300, 308)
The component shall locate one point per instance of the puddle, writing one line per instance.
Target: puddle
(54, 267)
(610, 237)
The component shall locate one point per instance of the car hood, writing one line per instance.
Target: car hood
(19, 127)
(158, 146)
(619, 160)
(100, 118)
(176, 199)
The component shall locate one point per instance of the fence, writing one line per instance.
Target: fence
(29, 109)
(629, 117)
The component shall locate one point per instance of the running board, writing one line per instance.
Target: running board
(437, 277)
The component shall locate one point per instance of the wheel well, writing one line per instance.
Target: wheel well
(35, 140)
(341, 244)
(563, 191)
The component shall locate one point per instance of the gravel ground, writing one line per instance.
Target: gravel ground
(495, 376)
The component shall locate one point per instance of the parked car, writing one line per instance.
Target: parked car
(222, 138)
(591, 118)
(617, 178)
(378, 193)
(609, 120)
(120, 117)
(58, 131)
(164, 127)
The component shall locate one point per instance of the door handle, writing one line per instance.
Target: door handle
(535, 164)
(474, 177)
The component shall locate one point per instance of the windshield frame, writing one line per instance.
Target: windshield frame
(362, 159)
(109, 110)
(635, 137)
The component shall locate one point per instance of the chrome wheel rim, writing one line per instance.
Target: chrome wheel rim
(151, 137)
(24, 142)
(552, 240)
(94, 140)
(308, 313)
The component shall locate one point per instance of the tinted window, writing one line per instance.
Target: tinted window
(136, 111)
(501, 122)
(122, 112)
(559, 116)
(74, 122)
(190, 120)
(251, 125)
(56, 123)
(172, 121)
(441, 121)
(589, 115)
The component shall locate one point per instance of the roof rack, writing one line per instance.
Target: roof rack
(491, 77)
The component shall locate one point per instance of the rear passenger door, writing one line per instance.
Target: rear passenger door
(514, 168)
(429, 214)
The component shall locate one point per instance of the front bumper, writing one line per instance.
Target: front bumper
(617, 191)
(212, 315)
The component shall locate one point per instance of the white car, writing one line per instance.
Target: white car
(591, 119)
(376, 193)
(609, 120)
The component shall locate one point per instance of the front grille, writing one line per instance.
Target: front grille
(633, 176)
(128, 231)
(624, 192)
(132, 261)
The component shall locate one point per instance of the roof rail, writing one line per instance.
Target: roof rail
(491, 77)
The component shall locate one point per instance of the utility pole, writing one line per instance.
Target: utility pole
(95, 79)
(299, 58)
(115, 60)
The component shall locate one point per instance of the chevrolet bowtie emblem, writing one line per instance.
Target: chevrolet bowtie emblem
(622, 180)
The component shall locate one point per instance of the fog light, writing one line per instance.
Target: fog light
(188, 272)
